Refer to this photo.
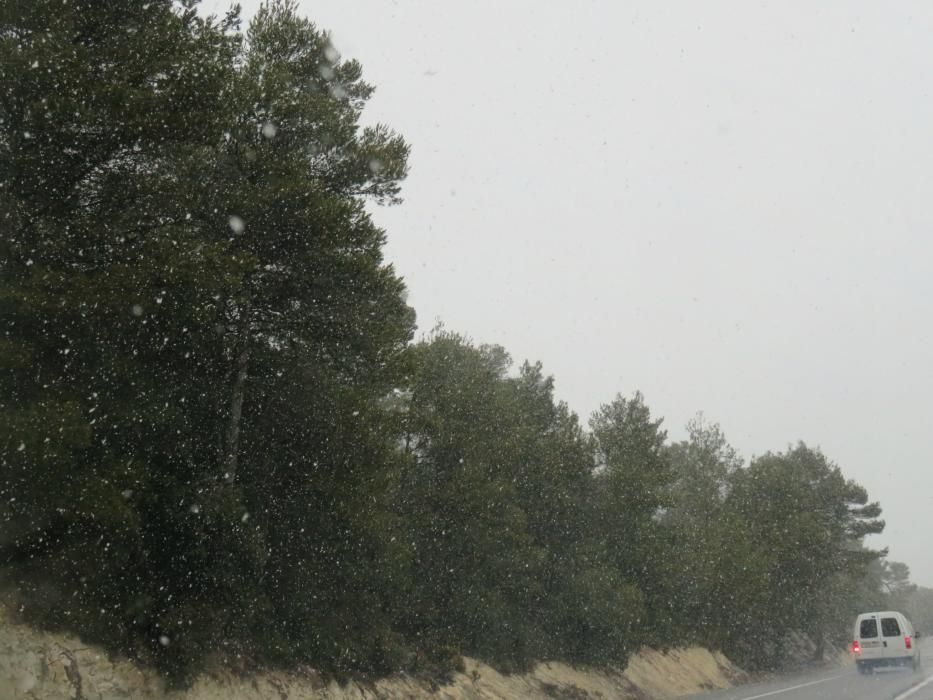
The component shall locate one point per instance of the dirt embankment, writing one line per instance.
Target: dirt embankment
(37, 665)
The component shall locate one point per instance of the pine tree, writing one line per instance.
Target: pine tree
(199, 329)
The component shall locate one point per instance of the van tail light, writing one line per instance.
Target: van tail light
(857, 648)
(907, 642)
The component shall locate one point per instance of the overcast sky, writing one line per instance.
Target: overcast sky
(725, 205)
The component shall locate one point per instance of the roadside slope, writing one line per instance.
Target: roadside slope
(35, 664)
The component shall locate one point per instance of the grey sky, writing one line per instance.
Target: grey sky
(725, 205)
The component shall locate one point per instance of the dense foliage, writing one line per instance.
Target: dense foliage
(216, 436)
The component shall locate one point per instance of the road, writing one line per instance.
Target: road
(843, 683)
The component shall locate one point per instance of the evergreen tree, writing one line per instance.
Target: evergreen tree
(497, 497)
(100, 102)
(633, 488)
(802, 523)
(196, 315)
(696, 533)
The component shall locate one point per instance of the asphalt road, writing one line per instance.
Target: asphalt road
(843, 683)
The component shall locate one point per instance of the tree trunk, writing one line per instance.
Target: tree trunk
(820, 647)
(237, 394)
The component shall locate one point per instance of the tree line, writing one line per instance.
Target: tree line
(219, 441)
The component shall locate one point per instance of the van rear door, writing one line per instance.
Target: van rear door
(892, 638)
(869, 638)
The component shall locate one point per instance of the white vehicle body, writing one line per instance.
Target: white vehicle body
(884, 638)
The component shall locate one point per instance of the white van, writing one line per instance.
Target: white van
(884, 639)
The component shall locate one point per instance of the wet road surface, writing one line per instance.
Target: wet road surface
(843, 683)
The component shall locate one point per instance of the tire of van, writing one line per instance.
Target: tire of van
(916, 664)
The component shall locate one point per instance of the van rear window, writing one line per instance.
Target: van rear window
(868, 628)
(889, 627)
